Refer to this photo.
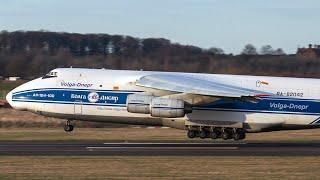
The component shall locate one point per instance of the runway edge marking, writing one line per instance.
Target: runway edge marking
(182, 148)
(127, 143)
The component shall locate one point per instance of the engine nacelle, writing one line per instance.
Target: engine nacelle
(169, 108)
(138, 103)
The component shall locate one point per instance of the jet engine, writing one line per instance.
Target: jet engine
(157, 106)
(169, 108)
(138, 103)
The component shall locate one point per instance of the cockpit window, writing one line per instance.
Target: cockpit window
(51, 74)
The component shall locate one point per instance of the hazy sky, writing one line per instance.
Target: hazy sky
(229, 24)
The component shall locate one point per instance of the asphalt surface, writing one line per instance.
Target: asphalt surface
(157, 148)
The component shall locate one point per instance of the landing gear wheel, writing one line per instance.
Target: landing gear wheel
(191, 134)
(203, 134)
(242, 135)
(236, 136)
(68, 128)
(225, 135)
(214, 134)
(71, 127)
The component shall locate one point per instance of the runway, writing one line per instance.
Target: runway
(158, 148)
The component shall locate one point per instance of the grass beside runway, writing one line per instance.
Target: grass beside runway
(6, 86)
(159, 167)
(134, 133)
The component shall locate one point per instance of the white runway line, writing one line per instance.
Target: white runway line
(186, 148)
(151, 127)
(174, 143)
(136, 127)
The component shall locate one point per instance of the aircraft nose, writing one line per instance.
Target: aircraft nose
(9, 98)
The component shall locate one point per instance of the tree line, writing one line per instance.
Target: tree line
(30, 54)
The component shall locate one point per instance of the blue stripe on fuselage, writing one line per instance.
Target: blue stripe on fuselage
(72, 95)
(268, 104)
(118, 97)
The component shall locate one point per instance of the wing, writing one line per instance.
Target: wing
(193, 87)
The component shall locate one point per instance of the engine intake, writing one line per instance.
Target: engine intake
(170, 108)
(137, 103)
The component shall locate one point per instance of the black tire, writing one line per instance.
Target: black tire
(66, 128)
(203, 134)
(214, 134)
(242, 134)
(225, 135)
(236, 136)
(71, 127)
(191, 134)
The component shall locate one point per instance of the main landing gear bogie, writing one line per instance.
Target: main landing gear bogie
(68, 127)
(215, 133)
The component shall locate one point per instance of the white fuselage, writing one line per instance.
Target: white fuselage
(100, 95)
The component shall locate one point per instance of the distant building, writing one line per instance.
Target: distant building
(309, 52)
(13, 78)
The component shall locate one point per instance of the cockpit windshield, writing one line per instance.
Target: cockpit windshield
(51, 74)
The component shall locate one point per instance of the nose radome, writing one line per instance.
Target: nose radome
(16, 94)
(15, 105)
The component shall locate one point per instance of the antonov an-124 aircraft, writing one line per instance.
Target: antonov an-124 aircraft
(206, 105)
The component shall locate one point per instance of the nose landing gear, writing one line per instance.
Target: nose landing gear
(68, 127)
